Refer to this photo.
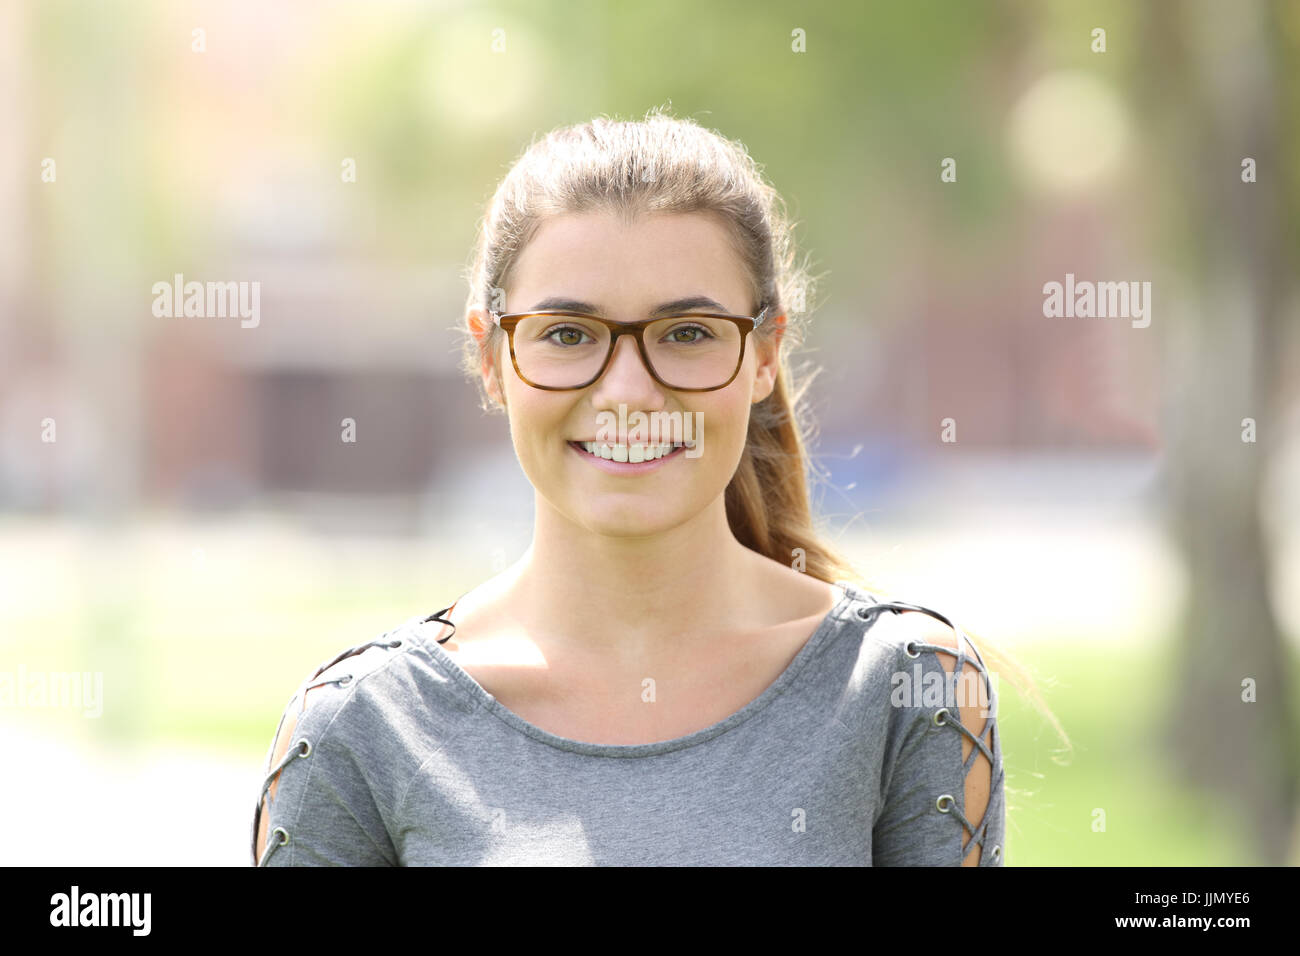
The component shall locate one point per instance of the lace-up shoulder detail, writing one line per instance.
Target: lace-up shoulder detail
(926, 786)
(332, 681)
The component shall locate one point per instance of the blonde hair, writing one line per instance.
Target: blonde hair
(664, 164)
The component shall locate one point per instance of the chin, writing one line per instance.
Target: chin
(625, 520)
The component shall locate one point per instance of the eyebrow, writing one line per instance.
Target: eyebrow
(685, 304)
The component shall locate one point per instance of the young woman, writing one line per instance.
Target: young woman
(677, 670)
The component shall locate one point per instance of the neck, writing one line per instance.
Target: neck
(634, 593)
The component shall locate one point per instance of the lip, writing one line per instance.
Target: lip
(624, 467)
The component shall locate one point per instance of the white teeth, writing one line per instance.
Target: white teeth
(628, 453)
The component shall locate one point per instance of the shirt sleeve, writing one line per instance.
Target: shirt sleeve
(324, 812)
(923, 814)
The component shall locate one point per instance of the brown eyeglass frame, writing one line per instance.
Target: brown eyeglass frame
(747, 324)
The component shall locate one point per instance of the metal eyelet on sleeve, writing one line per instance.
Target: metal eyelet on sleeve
(301, 749)
(272, 845)
(977, 834)
(908, 649)
(341, 681)
(940, 717)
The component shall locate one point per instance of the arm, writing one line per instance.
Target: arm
(281, 744)
(939, 756)
(316, 807)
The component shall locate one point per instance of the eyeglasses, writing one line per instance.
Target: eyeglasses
(692, 352)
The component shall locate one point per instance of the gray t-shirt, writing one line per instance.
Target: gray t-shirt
(409, 761)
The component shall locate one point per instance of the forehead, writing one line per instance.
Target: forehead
(629, 266)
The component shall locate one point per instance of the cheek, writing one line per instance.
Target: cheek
(537, 426)
(726, 428)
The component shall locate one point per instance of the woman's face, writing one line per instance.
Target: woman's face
(626, 271)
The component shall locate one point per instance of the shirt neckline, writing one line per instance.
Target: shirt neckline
(769, 694)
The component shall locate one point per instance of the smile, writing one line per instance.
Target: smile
(627, 459)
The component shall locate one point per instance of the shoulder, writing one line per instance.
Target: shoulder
(914, 629)
(916, 652)
(369, 696)
(379, 679)
(354, 674)
(348, 736)
(359, 672)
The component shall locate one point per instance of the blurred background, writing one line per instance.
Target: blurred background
(1120, 507)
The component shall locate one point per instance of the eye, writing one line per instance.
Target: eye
(701, 331)
(570, 330)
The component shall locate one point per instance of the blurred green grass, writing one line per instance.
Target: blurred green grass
(1109, 703)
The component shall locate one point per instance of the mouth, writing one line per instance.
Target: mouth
(631, 458)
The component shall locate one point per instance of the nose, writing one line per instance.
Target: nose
(627, 380)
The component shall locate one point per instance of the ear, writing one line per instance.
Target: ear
(481, 326)
(768, 352)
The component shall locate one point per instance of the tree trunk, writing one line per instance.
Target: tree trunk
(1217, 73)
